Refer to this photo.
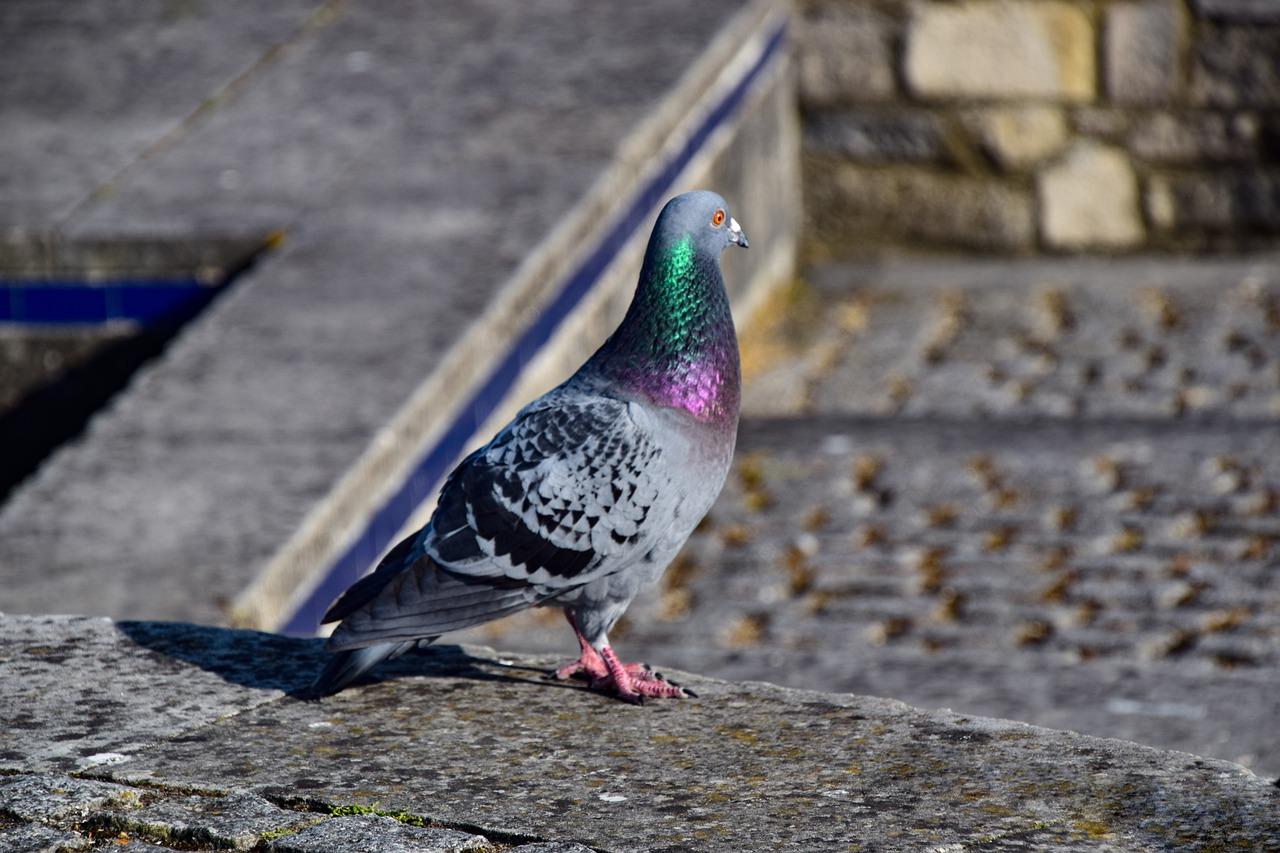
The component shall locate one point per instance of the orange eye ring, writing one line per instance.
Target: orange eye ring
(717, 218)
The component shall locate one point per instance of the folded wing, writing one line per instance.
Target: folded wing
(571, 490)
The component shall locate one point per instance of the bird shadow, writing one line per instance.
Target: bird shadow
(289, 664)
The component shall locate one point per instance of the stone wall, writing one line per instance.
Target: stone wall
(1024, 126)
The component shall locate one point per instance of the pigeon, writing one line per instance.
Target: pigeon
(589, 492)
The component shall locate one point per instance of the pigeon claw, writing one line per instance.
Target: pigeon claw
(632, 682)
(588, 665)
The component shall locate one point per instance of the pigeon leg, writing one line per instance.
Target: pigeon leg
(588, 661)
(632, 686)
(593, 666)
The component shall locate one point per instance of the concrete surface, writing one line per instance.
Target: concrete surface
(436, 169)
(183, 736)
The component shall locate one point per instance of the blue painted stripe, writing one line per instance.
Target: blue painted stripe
(65, 302)
(432, 468)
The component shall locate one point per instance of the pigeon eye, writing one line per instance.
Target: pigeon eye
(717, 218)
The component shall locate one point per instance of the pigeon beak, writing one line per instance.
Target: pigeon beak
(735, 234)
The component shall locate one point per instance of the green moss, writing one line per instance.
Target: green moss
(738, 733)
(1092, 828)
(402, 816)
(996, 810)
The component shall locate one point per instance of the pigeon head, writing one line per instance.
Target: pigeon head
(701, 217)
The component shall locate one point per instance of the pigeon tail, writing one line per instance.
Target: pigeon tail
(367, 588)
(424, 601)
(346, 666)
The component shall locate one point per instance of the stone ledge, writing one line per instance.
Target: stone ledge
(478, 749)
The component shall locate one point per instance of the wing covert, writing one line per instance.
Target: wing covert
(566, 492)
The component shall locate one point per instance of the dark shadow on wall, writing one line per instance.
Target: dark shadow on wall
(273, 662)
(116, 332)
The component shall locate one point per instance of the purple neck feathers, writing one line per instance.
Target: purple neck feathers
(676, 347)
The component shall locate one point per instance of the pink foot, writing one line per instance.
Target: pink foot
(631, 681)
(634, 681)
(590, 664)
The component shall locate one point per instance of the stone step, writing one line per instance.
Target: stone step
(462, 192)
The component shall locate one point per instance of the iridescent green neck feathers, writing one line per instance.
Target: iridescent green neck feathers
(676, 347)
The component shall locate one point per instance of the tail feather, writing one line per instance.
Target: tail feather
(367, 588)
(355, 632)
(408, 598)
(346, 666)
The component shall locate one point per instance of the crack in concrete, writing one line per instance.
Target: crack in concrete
(326, 14)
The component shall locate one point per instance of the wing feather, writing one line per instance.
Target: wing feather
(560, 496)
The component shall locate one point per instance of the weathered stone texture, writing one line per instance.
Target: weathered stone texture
(1196, 138)
(864, 207)
(377, 834)
(1001, 49)
(872, 137)
(467, 739)
(1101, 123)
(236, 821)
(1237, 67)
(38, 838)
(1090, 200)
(1019, 137)
(1239, 10)
(1142, 45)
(1235, 203)
(84, 111)
(844, 55)
(39, 652)
(50, 797)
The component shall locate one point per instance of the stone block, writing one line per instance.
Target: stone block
(1001, 49)
(1198, 137)
(1236, 67)
(377, 834)
(1142, 47)
(1090, 200)
(50, 797)
(236, 821)
(1260, 11)
(1162, 207)
(863, 207)
(1239, 203)
(898, 136)
(1104, 123)
(1018, 137)
(844, 55)
(38, 838)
